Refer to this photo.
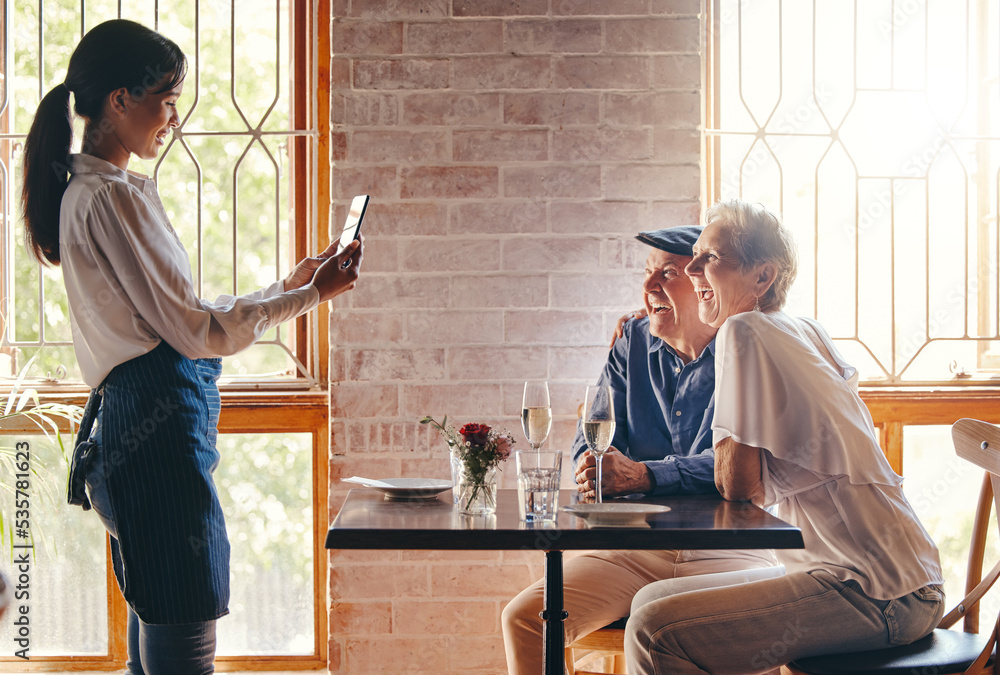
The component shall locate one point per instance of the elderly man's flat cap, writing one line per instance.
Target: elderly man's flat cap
(677, 240)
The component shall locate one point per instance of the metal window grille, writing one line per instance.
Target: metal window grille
(872, 128)
(225, 177)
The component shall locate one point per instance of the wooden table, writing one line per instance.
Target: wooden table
(368, 521)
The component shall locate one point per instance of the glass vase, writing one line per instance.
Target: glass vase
(478, 495)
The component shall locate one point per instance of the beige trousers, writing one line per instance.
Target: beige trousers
(597, 589)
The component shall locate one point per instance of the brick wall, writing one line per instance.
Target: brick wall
(512, 149)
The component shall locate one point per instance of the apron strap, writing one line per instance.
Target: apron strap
(83, 453)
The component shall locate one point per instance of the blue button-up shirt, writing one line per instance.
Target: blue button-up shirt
(663, 408)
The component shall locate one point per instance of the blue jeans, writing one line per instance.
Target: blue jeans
(170, 649)
(756, 627)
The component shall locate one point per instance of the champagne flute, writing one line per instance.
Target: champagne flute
(598, 425)
(536, 413)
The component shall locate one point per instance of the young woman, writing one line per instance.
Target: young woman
(145, 342)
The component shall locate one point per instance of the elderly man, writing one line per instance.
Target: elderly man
(662, 374)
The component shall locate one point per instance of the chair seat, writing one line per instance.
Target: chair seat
(943, 651)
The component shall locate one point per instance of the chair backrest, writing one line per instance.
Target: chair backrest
(977, 442)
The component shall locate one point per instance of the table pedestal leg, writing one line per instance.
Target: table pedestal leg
(553, 615)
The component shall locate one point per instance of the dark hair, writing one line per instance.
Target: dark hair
(113, 55)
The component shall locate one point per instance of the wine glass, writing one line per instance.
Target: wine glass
(598, 425)
(536, 413)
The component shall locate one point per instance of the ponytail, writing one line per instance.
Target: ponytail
(46, 174)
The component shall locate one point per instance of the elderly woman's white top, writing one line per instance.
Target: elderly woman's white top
(782, 386)
(128, 278)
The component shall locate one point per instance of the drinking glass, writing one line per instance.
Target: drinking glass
(536, 413)
(598, 425)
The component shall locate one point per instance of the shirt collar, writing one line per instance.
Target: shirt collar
(656, 344)
(83, 163)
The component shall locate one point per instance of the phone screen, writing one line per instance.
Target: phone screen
(353, 225)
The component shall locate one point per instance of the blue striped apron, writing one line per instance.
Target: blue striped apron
(151, 484)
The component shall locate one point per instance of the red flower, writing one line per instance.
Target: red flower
(475, 434)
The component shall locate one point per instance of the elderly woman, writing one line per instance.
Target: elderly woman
(790, 432)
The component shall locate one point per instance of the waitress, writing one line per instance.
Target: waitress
(145, 342)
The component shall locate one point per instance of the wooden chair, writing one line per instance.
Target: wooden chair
(606, 643)
(943, 652)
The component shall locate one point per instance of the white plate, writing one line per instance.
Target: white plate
(615, 514)
(412, 488)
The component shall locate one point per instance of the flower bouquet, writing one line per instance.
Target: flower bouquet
(480, 450)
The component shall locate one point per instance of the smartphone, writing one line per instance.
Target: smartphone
(353, 225)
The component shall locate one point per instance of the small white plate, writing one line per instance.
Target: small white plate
(403, 489)
(615, 514)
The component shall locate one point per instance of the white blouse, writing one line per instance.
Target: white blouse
(782, 386)
(129, 284)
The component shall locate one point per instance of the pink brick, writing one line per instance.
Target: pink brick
(381, 654)
(457, 255)
(340, 72)
(599, 7)
(499, 291)
(452, 108)
(396, 364)
(367, 37)
(579, 291)
(602, 72)
(677, 72)
(691, 7)
(555, 36)
(437, 466)
(360, 109)
(389, 219)
(667, 109)
(380, 255)
(360, 618)
(653, 34)
(454, 182)
(338, 146)
(500, 146)
(548, 108)
(456, 400)
(640, 181)
(378, 181)
(363, 400)
(499, 7)
(597, 217)
(451, 556)
(476, 653)
(550, 254)
(502, 72)
(401, 74)
(498, 217)
(444, 618)
(394, 292)
(400, 9)
(455, 327)
(454, 37)
(515, 363)
(677, 146)
(466, 580)
(670, 214)
(583, 362)
(553, 327)
(553, 180)
(600, 145)
(366, 329)
(364, 464)
(401, 147)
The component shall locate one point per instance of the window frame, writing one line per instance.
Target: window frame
(255, 406)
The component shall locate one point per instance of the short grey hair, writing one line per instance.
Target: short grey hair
(759, 237)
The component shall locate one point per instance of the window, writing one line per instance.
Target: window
(872, 128)
(241, 182)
